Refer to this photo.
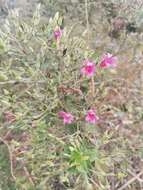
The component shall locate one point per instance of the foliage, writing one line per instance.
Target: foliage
(40, 76)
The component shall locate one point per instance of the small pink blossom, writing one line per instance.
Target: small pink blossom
(67, 117)
(88, 68)
(58, 34)
(91, 117)
(108, 60)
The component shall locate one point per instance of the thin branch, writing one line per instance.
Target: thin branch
(28, 174)
(11, 164)
(87, 27)
(133, 174)
(87, 19)
(25, 81)
(10, 158)
(131, 181)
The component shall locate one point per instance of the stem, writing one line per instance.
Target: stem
(28, 174)
(87, 19)
(87, 27)
(92, 86)
(10, 158)
(131, 181)
(58, 44)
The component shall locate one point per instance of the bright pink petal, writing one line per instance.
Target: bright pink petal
(88, 68)
(58, 34)
(91, 117)
(67, 117)
(108, 60)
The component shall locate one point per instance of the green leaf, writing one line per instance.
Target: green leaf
(3, 77)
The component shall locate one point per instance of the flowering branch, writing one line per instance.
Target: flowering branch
(87, 26)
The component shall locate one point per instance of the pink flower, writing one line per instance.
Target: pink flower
(91, 117)
(67, 117)
(58, 34)
(88, 68)
(108, 60)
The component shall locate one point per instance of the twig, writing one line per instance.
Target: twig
(24, 81)
(28, 174)
(87, 26)
(87, 19)
(92, 86)
(133, 174)
(11, 164)
(10, 157)
(131, 181)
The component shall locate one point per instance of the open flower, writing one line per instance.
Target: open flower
(88, 68)
(108, 60)
(91, 117)
(58, 34)
(67, 117)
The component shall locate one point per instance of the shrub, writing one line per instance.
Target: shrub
(61, 119)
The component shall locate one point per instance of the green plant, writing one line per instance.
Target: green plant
(80, 158)
(48, 122)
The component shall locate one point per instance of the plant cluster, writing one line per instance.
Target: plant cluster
(65, 114)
